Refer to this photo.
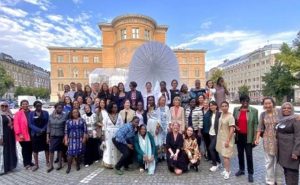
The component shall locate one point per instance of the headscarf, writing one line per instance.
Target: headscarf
(7, 113)
(291, 116)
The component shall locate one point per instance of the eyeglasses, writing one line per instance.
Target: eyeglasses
(4, 106)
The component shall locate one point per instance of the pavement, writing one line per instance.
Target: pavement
(96, 174)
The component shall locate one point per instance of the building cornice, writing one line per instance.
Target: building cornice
(73, 48)
(189, 51)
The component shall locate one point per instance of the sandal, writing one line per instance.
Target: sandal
(50, 169)
(34, 168)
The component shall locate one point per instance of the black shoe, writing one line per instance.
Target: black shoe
(56, 160)
(250, 178)
(196, 168)
(50, 169)
(68, 170)
(239, 173)
(78, 167)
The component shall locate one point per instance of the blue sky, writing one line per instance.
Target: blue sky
(226, 29)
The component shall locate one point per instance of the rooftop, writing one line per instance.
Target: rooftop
(246, 57)
(73, 48)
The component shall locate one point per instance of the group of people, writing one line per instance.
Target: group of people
(122, 127)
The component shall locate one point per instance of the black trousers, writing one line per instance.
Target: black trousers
(213, 152)
(244, 147)
(206, 139)
(92, 151)
(127, 155)
(291, 176)
(26, 152)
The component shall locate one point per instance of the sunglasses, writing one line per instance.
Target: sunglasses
(4, 106)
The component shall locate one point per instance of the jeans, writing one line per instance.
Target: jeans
(243, 146)
(127, 155)
(213, 152)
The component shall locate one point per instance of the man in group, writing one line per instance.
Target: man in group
(246, 119)
(79, 91)
(134, 95)
(197, 91)
(124, 143)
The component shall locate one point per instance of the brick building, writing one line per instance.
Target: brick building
(120, 38)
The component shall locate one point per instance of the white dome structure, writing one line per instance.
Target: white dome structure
(153, 62)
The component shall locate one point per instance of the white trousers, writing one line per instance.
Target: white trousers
(274, 170)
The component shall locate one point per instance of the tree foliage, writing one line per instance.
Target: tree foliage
(290, 56)
(6, 81)
(38, 92)
(216, 74)
(244, 90)
(279, 82)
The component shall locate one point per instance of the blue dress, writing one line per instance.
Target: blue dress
(75, 130)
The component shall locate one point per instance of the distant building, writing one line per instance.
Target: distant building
(248, 70)
(120, 38)
(24, 74)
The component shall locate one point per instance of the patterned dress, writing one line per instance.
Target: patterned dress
(75, 130)
(191, 149)
(111, 154)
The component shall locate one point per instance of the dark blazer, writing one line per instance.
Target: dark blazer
(139, 97)
(288, 138)
(207, 122)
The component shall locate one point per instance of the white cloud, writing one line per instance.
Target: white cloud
(232, 44)
(42, 4)
(55, 18)
(13, 11)
(77, 1)
(206, 25)
(28, 38)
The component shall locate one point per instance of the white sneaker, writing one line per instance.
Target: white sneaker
(223, 172)
(86, 166)
(226, 175)
(214, 168)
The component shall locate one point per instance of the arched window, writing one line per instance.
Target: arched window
(75, 73)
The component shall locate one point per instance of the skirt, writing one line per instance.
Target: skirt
(56, 143)
(39, 143)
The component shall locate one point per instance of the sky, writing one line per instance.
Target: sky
(226, 29)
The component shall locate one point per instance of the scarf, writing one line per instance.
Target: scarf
(145, 145)
(291, 116)
(7, 113)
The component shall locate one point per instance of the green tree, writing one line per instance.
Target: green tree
(279, 82)
(216, 74)
(244, 90)
(290, 56)
(19, 91)
(6, 82)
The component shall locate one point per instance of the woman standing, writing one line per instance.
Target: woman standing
(8, 154)
(87, 91)
(115, 95)
(210, 90)
(268, 120)
(148, 92)
(225, 139)
(177, 113)
(174, 91)
(122, 96)
(164, 119)
(55, 134)
(164, 92)
(176, 158)
(67, 104)
(191, 148)
(104, 93)
(288, 136)
(221, 91)
(75, 138)
(145, 149)
(127, 113)
(184, 96)
(22, 133)
(200, 101)
(92, 144)
(38, 126)
(110, 126)
(141, 113)
(211, 128)
(153, 124)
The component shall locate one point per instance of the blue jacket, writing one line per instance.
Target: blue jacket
(37, 129)
(207, 122)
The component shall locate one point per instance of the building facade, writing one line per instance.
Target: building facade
(248, 70)
(24, 74)
(120, 39)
